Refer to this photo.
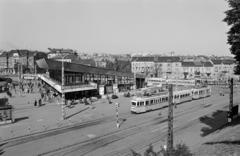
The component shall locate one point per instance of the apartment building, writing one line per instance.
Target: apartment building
(159, 66)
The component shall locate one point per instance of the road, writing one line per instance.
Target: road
(137, 132)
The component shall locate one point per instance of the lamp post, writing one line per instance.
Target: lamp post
(62, 88)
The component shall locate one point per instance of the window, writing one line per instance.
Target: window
(134, 103)
(141, 103)
(147, 103)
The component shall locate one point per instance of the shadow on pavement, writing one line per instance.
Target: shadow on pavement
(206, 106)
(228, 142)
(21, 118)
(122, 120)
(76, 113)
(1, 148)
(217, 121)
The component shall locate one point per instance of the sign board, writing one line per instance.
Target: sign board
(109, 89)
(115, 88)
(101, 90)
(29, 76)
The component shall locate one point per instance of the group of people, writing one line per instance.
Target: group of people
(26, 86)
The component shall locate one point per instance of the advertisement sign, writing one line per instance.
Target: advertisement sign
(101, 90)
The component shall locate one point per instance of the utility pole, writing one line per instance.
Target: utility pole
(170, 121)
(63, 94)
(117, 114)
(231, 100)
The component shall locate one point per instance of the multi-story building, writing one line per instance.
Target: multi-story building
(144, 65)
(223, 68)
(168, 67)
(10, 61)
(197, 69)
(158, 66)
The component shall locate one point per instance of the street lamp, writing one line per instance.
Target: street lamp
(62, 88)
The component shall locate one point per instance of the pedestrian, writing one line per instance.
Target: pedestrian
(39, 102)
(35, 102)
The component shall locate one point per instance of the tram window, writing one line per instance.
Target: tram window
(141, 103)
(134, 103)
(147, 103)
(166, 98)
(151, 101)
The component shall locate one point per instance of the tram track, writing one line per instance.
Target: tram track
(155, 139)
(85, 147)
(52, 132)
(55, 131)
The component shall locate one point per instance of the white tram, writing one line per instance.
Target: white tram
(203, 92)
(146, 103)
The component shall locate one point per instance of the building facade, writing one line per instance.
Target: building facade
(11, 60)
(159, 66)
(223, 69)
(194, 69)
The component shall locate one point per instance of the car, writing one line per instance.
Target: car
(114, 96)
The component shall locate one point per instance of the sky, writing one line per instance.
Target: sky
(115, 26)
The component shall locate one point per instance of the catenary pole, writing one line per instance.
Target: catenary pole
(170, 121)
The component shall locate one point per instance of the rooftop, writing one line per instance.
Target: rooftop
(76, 67)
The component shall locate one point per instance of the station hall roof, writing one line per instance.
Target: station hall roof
(74, 67)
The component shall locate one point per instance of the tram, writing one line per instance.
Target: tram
(146, 103)
(203, 92)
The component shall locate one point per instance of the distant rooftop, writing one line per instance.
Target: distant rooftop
(157, 59)
(197, 64)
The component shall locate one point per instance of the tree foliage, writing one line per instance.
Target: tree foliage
(233, 20)
(119, 65)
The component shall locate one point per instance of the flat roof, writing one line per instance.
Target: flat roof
(75, 67)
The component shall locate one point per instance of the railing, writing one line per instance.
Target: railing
(80, 86)
(55, 84)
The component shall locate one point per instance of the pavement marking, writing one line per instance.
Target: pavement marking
(39, 120)
(91, 135)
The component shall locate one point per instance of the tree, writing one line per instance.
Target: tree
(233, 20)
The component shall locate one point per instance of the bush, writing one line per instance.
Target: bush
(127, 94)
(179, 150)
(182, 150)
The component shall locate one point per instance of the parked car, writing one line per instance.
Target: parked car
(114, 96)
